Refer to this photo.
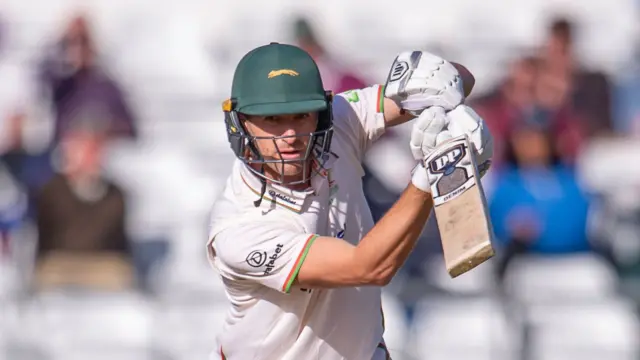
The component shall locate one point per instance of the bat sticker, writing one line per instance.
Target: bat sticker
(451, 170)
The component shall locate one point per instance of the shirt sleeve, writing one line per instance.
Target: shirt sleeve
(268, 254)
(359, 118)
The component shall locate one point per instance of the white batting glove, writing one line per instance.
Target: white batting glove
(418, 80)
(464, 120)
(434, 126)
(428, 131)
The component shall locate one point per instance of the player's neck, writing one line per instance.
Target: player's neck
(298, 187)
(291, 182)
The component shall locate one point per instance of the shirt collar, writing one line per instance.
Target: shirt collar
(283, 196)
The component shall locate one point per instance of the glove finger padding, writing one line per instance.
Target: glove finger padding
(425, 131)
(464, 120)
(443, 137)
(418, 80)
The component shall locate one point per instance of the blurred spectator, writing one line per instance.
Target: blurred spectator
(590, 90)
(626, 105)
(81, 215)
(74, 80)
(14, 124)
(553, 111)
(30, 170)
(335, 76)
(506, 106)
(531, 94)
(537, 204)
(13, 207)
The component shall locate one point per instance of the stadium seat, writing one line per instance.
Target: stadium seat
(450, 328)
(65, 324)
(479, 281)
(110, 354)
(189, 325)
(602, 169)
(125, 318)
(560, 279)
(572, 308)
(605, 330)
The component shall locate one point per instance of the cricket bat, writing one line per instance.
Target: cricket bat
(460, 206)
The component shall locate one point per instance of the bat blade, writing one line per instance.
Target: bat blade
(460, 206)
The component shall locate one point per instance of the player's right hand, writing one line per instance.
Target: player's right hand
(429, 130)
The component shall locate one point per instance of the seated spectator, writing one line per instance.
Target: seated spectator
(507, 105)
(590, 90)
(72, 78)
(537, 204)
(553, 111)
(30, 169)
(13, 208)
(81, 217)
(532, 94)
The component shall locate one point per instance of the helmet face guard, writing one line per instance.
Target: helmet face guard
(245, 147)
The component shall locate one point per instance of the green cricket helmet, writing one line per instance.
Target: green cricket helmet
(278, 79)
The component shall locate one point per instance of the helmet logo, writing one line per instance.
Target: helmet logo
(274, 73)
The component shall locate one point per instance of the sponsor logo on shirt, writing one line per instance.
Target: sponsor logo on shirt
(282, 197)
(256, 258)
(272, 259)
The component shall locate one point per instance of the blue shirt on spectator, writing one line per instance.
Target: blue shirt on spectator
(546, 203)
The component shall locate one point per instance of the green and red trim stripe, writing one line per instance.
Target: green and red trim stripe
(296, 266)
(380, 102)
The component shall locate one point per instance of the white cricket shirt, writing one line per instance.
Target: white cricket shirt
(258, 253)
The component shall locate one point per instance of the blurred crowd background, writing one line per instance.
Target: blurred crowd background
(112, 151)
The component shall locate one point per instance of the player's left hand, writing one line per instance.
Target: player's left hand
(428, 132)
(418, 80)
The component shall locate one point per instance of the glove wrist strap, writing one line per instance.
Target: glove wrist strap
(420, 179)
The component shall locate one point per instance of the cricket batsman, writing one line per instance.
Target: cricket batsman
(292, 236)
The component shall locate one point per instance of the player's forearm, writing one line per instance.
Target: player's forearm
(386, 247)
(393, 115)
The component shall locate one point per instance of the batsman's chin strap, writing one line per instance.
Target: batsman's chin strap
(263, 188)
